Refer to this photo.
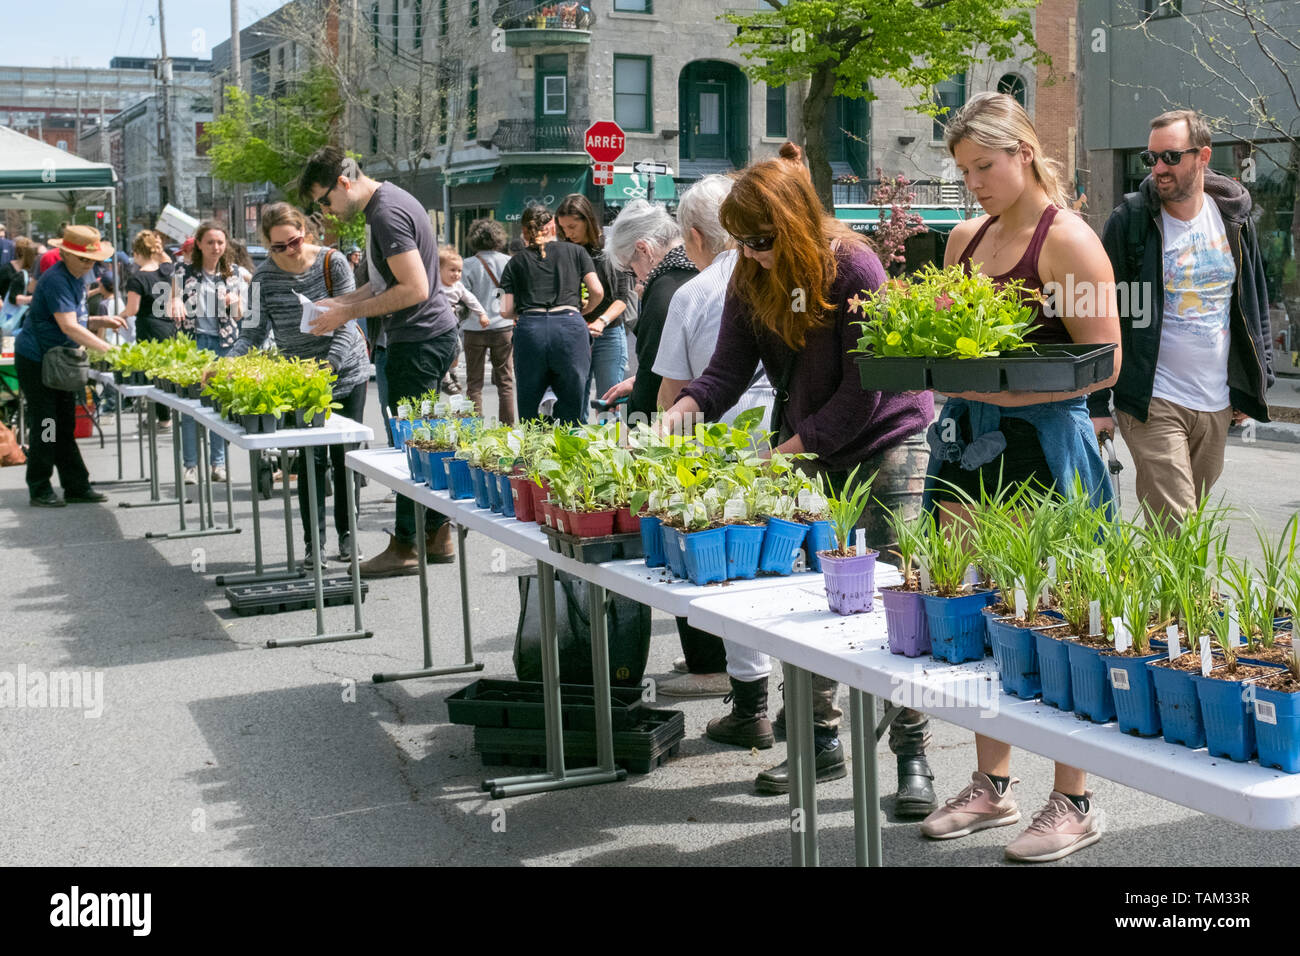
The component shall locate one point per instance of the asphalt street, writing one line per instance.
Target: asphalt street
(212, 750)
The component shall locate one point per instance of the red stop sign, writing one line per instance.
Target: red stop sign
(604, 141)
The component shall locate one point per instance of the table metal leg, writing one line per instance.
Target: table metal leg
(155, 497)
(117, 441)
(801, 763)
(356, 556)
(313, 518)
(866, 780)
(286, 473)
(139, 444)
(421, 555)
(207, 527)
(600, 676)
(556, 777)
(258, 575)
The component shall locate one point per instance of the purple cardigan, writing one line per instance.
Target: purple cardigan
(837, 419)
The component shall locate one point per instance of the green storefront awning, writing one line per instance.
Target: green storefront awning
(464, 177)
(546, 185)
(866, 218)
(629, 186)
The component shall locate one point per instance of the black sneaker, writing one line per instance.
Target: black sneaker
(345, 549)
(47, 500)
(88, 497)
(830, 766)
(307, 558)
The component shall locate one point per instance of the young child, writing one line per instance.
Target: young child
(462, 302)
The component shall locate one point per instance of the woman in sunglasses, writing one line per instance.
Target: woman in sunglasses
(299, 267)
(1046, 437)
(789, 307)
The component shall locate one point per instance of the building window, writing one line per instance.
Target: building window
(471, 107)
(203, 191)
(950, 95)
(1162, 8)
(775, 111)
(419, 24)
(442, 17)
(634, 6)
(1013, 85)
(374, 125)
(279, 58)
(632, 93)
(442, 117)
(200, 145)
(374, 25)
(473, 13)
(396, 29)
(555, 95)
(551, 79)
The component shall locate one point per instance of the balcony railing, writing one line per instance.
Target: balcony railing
(532, 136)
(528, 23)
(928, 192)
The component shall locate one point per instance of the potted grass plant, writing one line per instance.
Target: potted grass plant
(952, 607)
(905, 620)
(850, 572)
(1277, 696)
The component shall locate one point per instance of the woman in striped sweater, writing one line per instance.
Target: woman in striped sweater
(297, 266)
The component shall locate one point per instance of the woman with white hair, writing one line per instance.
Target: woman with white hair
(646, 241)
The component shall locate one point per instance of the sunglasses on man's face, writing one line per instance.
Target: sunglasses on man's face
(1170, 157)
(324, 200)
(291, 245)
(757, 243)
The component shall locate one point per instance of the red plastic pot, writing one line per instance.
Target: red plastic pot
(522, 494)
(625, 522)
(590, 524)
(539, 499)
(544, 515)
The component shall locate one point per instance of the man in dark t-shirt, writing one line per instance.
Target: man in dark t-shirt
(420, 327)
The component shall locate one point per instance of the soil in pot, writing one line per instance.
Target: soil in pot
(1225, 708)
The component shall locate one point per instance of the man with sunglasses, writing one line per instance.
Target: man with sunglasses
(419, 325)
(1195, 332)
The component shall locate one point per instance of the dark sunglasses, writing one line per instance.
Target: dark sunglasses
(757, 243)
(1171, 157)
(291, 246)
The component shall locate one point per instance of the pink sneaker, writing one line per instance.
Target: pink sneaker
(1057, 831)
(978, 807)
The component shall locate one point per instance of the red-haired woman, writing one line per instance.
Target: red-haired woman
(789, 307)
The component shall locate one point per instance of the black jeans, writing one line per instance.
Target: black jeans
(703, 651)
(51, 430)
(412, 368)
(354, 406)
(552, 349)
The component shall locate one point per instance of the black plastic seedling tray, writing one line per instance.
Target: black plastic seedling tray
(248, 599)
(518, 705)
(611, 547)
(637, 750)
(1045, 368)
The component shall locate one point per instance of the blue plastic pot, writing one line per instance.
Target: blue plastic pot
(1090, 684)
(1054, 670)
(1015, 649)
(395, 431)
(415, 464)
(820, 538)
(1179, 706)
(744, 545)
(1229, 724)
(1277, 729)
(652, 541)
(493, 490)
(479, 486)
(1134, 693)
(674, 553)
(706, 555)
(426, 466)
(505, 496)
(459, 482)
(781, 543)
(956, 626)
(438, 469)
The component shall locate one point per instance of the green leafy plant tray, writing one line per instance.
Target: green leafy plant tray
(1042, 368)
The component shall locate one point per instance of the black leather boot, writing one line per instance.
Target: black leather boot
(916, 797)
(747, 724)
(830, 766)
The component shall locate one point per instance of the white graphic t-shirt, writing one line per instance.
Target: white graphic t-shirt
(1199, 274)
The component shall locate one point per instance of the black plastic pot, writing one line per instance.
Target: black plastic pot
(268, 424)
(252, 423)
(194, 392)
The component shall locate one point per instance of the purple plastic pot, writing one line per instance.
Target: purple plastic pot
(909, 630)
(850, 582)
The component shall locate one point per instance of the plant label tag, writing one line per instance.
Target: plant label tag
(1171, 632)
(1121, 634)
(805, 500)
(426, 408)
(559, 525)
(1119, 678)
(734, 510)
(860, 542)
(1265, 711)
(1094, 617)
(1022, 603)
(817, 504)
(1234, 625)
(925, 577)
(972, 574)
(403, 412)
(439, 409)
(1051, 568)
(1207, 657)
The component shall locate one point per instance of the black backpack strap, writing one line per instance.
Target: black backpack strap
(1139, 227)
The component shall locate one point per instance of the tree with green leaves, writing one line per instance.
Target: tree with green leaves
(840, 46)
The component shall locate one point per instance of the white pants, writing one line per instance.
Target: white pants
(746, 664)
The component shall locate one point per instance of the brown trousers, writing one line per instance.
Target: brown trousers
(499, 345)
(1178, 453)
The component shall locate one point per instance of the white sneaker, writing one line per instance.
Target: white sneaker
(192, 475)
(219, 473)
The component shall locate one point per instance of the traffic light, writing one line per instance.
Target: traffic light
(99, 216)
